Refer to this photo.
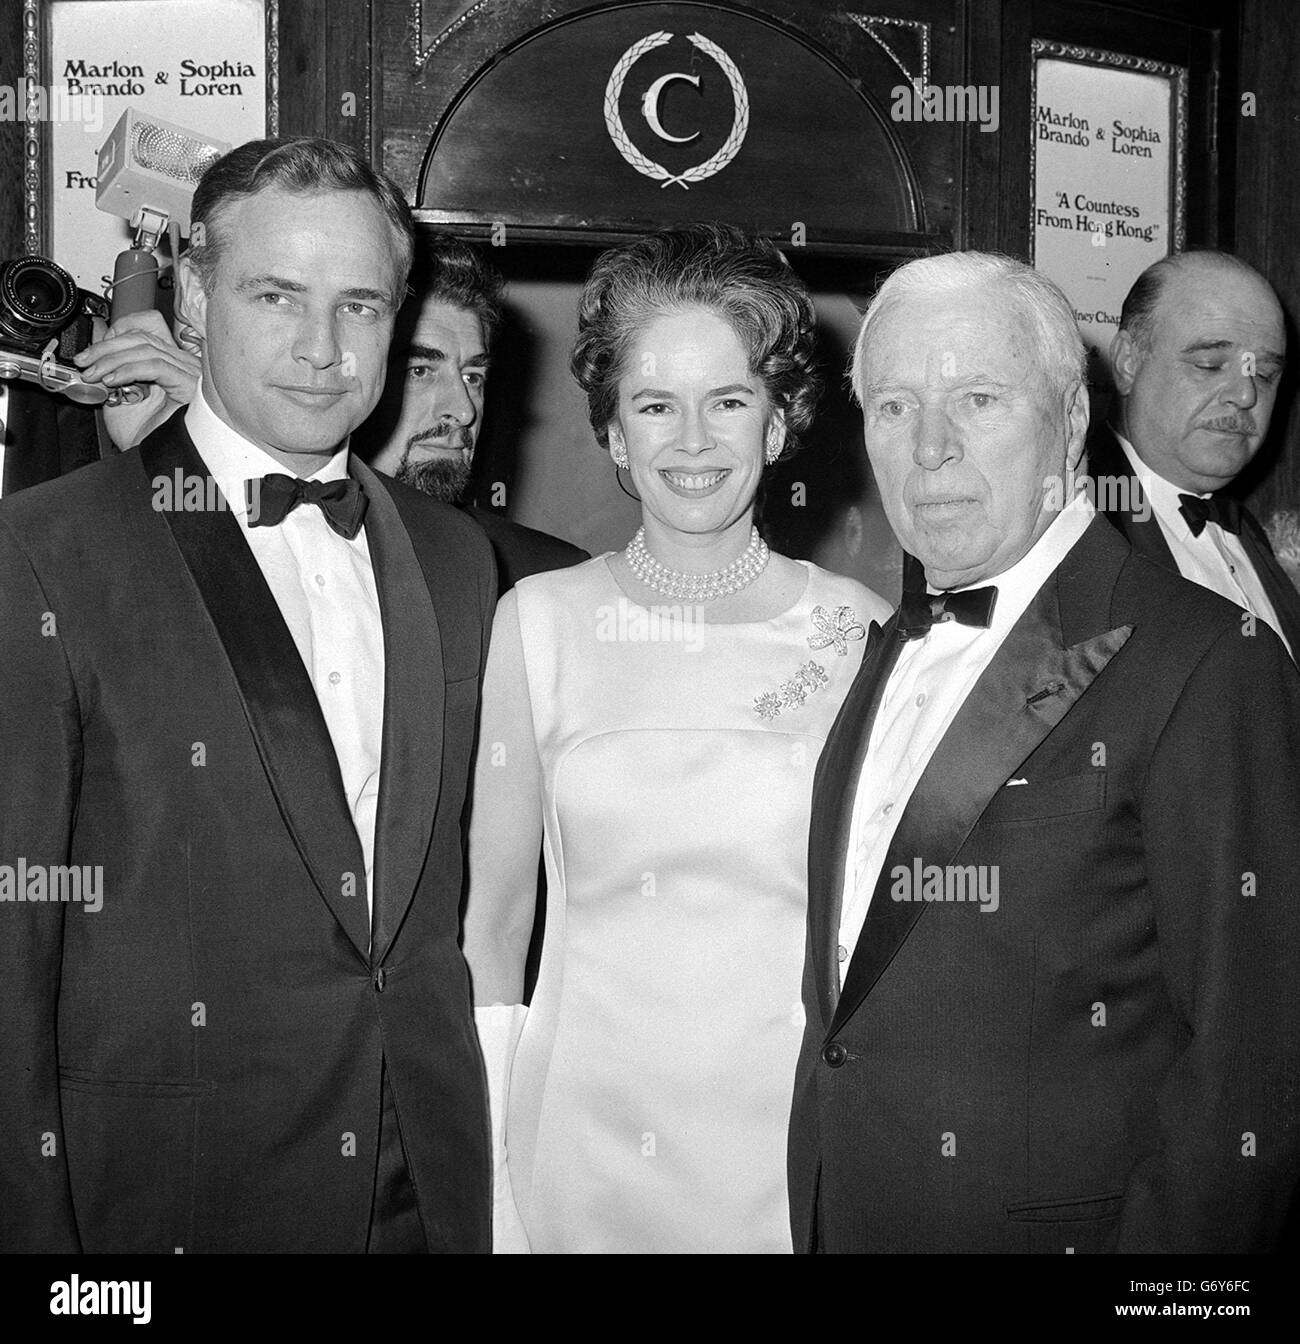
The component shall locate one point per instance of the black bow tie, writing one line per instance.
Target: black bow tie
(919, 611)
(272, 498)
(1220, 509)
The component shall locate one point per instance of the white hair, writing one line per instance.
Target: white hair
(1045, 312)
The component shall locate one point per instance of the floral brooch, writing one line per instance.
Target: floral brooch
(791, 694)
(833, 629)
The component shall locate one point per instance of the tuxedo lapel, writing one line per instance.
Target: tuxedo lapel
(1038, 673)
(1115, 483)
(832, 808)
(279, 700)
(411, 772)
(1106, 459)
(1145, 535)
(1281, 591)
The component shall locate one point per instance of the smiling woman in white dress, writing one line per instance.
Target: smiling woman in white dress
(653, 718)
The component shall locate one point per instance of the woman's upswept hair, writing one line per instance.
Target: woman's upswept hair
(744, 280)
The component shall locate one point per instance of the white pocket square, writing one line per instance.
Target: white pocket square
(1010, 782)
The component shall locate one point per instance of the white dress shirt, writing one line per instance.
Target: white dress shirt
(324, 585)
(928, 685)
(1216, 559)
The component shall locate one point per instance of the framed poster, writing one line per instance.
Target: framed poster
(209, 66)
(1108, 153)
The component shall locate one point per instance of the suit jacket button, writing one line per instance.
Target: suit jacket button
(835, 1054)
(379, 980)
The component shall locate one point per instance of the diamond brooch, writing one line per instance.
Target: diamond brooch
(835, 628)
(791, 694)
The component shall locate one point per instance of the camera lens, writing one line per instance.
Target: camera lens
(37, 299)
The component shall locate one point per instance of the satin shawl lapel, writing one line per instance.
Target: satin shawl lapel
(1281, 591)
(832, 808)
(410, 777)
(279, 700)
(1109, 467)
(1036, 676)
(1146, 535)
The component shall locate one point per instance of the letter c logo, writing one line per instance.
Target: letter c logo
(650, 107)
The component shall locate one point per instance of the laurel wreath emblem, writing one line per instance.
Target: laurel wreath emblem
(643, 164)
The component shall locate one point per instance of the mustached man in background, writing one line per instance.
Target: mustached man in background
(1197, 361)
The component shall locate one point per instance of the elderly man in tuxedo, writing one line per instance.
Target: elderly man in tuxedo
(1197, 360)
(1055, 851)
(238, 686)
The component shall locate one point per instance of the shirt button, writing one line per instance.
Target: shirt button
(320, 580)
(835, 1054)
(841, 953)
(335, 678)
(920, 700)
(887, 809)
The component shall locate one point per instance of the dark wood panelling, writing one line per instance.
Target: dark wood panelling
(325, 55)
(979, 225)
(1267, 200)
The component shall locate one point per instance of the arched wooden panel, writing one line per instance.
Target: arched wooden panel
(628, 117)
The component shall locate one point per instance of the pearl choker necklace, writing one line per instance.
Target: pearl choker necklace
(698, 587)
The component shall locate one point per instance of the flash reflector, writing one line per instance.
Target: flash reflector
(148, 164)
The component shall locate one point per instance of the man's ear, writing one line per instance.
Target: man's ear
(191, 303)
(1125, 361)
(1078, 413)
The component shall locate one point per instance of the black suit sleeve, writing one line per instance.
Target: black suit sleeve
(40, 748)
(1221, 817)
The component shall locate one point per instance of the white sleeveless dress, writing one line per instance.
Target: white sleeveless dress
(651, 1087)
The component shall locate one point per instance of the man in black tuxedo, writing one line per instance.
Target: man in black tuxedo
(1197, 359)
(1055, 842)
(426, 426)
(237, 696)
